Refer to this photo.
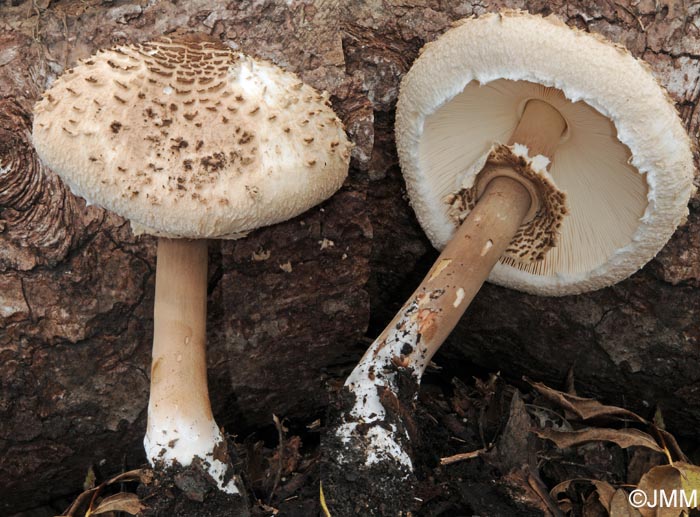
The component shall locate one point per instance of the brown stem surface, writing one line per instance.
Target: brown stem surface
(465, 263)
(467, 260)
(179, 372)
(540, 128)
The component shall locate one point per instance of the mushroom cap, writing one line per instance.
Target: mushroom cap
(624, 162)
(188, 138)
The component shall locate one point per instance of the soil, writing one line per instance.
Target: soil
(387, 488)
(166, 499)
(186, 491)
(74, 376)
(509, 472)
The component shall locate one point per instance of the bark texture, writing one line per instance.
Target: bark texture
(289, 304)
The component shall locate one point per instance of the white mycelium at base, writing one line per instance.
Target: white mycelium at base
(377, 370)
(180, 442)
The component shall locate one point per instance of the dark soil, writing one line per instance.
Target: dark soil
(372, 491)
(187, 491)
(352, 488)
(510, 474)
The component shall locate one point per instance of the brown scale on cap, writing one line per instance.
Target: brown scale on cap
(536, 236)
(182, 116)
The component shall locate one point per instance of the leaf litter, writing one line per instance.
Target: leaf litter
(486, 448)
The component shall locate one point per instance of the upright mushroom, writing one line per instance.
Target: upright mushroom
(190, 141)
(531, 161)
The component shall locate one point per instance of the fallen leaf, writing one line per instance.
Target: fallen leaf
(80, 502)
(586, 408)
(620, 505)
(582, 407)
(122, 502)
(621, 437)
(670, 490)
(592, 507)
(90, 479)
(548, 417)
(669, 441)
(605, 493)
(144, 476)
(566, 506)
(538, 487)
(658, 418)
(640, 461)
(527, 488)
(604, 490)
(515, 446)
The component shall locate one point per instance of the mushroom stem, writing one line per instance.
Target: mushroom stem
(424, 322)
(540, 128)
(181, 426)
(427, 318)
(459, 272)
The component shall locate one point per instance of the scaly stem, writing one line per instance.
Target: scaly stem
(423, 323)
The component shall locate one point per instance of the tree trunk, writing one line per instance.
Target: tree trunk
(289, 305)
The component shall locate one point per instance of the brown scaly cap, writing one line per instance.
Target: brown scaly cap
(188, 138)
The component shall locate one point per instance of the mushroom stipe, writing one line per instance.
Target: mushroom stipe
(587, 189)
(179, 411)
(201, 153)
(427, 318)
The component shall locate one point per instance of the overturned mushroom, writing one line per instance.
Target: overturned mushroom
(190, 141)
(530, 162)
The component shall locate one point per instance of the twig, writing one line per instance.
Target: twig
(462, 457)
(280, 456)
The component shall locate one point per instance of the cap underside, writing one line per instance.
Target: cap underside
(624, 161)
(606, 196)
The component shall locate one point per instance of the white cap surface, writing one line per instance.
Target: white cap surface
(187, 138)
(624, 162)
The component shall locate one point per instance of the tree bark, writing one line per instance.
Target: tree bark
(76, 287)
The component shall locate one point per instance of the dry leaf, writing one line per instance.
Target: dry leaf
(80, 502)
(604, 490)
(669, 441)
(592, 507)
(514, 447)
(584, 408)
(548, 417)
(538, 487)
(90, 479)
(621, 437)
(122, 502)
(525, 487)
(144, 476)
(670, 489)
(640, 461)
(566, 506)
(621, 507)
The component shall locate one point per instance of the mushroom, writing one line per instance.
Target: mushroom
(189, 141)
(530, 161)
